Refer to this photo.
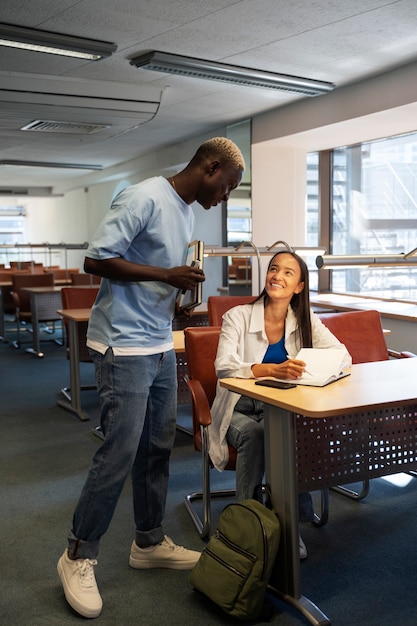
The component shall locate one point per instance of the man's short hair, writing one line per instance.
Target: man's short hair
(222, 149)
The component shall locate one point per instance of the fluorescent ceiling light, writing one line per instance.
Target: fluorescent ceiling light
(54, 43)
(244, 76)
(66, 166)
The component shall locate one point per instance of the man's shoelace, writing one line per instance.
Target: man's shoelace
(171, 545)
(86, 570)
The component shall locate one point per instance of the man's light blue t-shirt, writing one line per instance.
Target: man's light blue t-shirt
(148, 224)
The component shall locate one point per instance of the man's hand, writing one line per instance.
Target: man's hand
(185, 277)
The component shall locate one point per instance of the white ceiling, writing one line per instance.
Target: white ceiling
(339, 41)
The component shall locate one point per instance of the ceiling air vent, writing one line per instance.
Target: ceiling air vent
(73, 128)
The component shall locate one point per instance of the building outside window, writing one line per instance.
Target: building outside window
(12, 231)
(239, 221)
(373, 211)
(312, 215)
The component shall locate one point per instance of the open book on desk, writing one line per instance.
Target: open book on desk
(323, 366)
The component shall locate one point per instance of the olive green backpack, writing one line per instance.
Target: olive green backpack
(235, 566)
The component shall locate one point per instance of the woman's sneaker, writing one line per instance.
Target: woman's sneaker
(303, 549)
(164, 554)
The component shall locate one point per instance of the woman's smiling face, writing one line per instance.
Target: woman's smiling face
(283, 278)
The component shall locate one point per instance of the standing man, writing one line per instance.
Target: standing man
(139, 251)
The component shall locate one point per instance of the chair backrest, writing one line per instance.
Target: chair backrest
(78, 297)
(201, 348)
(64, 273)
(244, 272)
(21, 265)
(21, 280)
(218, 305)
(82, 278)
(361, 332)
(6, 275)
(9, 305)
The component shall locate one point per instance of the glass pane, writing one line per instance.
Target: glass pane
(312, 215)
(374, 211)
(239, 221)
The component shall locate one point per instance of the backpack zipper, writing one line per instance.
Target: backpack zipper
(264, 536)
(224, 563)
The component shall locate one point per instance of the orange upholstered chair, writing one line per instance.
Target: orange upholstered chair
(81, 278)
(79, 298)
(218, 305)
(201, 348)
(363, 335)
(21, 298)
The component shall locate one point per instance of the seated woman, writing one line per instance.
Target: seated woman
(262, 339)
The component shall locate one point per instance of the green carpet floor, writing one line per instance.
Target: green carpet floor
(361, 570)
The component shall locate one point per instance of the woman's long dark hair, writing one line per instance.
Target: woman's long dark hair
(300, 302)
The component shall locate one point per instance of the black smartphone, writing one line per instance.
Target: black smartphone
(275, 383)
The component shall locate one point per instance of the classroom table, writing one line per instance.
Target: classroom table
(72, 395)
(44, 302)
(361, 426)
(75, 317)
(5, 288)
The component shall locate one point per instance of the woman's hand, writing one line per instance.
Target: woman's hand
(291, 369)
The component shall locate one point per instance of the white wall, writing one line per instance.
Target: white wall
(278, 197)
(55, 220)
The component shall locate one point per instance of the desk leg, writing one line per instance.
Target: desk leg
(74, 404)
(281, 476)
(2, 330)
(36, 349)
(2, 325)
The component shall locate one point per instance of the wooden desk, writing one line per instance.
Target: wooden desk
(369, 430)
(72, 400)
(44, 302)
(5, 287)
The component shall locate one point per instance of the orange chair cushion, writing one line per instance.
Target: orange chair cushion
(361, 332)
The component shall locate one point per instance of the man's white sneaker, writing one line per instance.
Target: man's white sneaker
(80, 587)
(303, 549)
(164, 554)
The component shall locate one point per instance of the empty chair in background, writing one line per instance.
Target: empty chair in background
(21, 298)
(81, 278)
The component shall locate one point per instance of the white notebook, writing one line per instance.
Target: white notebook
(323, 366)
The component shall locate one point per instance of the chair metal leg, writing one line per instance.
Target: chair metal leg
(17, 343)
(203, 525)
(321, 520)
(66, 391)
(350, 493)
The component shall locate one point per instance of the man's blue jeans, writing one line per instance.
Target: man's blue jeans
(138, 396)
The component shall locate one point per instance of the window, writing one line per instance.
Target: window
(239, 222)
(373, 211)
(12, 230)
(312, 213)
